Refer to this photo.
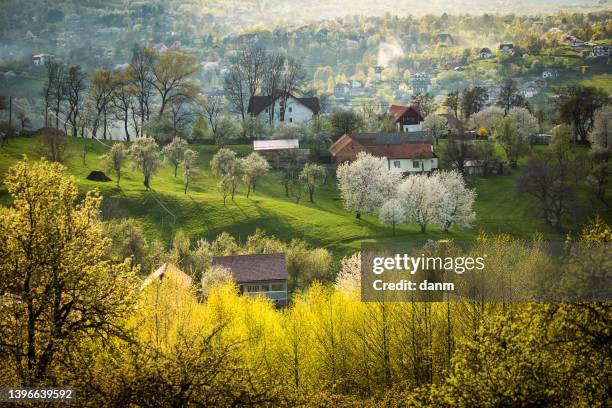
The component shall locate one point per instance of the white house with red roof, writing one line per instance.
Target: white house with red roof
(407, 118)
(405, 152)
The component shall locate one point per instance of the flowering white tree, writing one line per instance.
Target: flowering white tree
(349, 277)
(437, 125)
(421, 197)
(254, 167)
(489, 118)
(458, 200)
(526, 124)
(366, 184)
(392, 213)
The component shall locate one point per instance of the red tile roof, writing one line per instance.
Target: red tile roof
(399, 110)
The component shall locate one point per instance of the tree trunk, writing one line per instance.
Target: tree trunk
(424, 228)
(358, 215)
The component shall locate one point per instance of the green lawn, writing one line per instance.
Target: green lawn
(325, 223)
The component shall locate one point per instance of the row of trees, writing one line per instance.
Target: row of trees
(233, 170)
(368, 186)
(153, 85)
(72, 317)
(147, 157)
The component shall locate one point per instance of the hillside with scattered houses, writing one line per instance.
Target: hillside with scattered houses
(267, 203)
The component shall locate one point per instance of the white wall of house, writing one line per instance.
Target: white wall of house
(295, 112)
(413, 165)
(275, 290)
(412, 128)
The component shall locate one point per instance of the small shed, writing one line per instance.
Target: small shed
(280, 144)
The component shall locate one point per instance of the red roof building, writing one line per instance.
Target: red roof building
(405, 152)
(407, 118)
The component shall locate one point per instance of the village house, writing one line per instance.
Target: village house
(168, 272)
(485, 53)
(258, 274)
(506, 48)
(407, 118)
(405, 152)
(600, 50)
(530, 91)
(42, 59)
(550, 73)
(285, 107)
(419, 82)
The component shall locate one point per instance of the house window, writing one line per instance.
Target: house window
(415, 164)
(397, 164)
(252, 288)
(290, 109)
(277, 287)
(290, 119)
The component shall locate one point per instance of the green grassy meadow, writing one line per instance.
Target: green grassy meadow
(201, 213)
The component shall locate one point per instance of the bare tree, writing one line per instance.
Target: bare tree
(141, 79)
(273, 80)
(236, 90)
(57, 90)
(123, 102)
(101, 94)
(292, 81)
(75, 87)
(212, 107)
(48, 90)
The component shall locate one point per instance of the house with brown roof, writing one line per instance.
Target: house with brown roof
(168, 272)
(258, 274)
(407, 118)
(283, 107)
(404, 152)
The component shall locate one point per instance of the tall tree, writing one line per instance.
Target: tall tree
(343, 122)
(212, 108)
(510, 96)
(75, 98)
(577, 107)
(425, 103)
(141, 79)
(473, 100)
(172, 76)
(122, 101)
(452, 102)
(59, 290)
(101, 93)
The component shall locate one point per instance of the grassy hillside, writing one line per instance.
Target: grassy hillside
(325, 223)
